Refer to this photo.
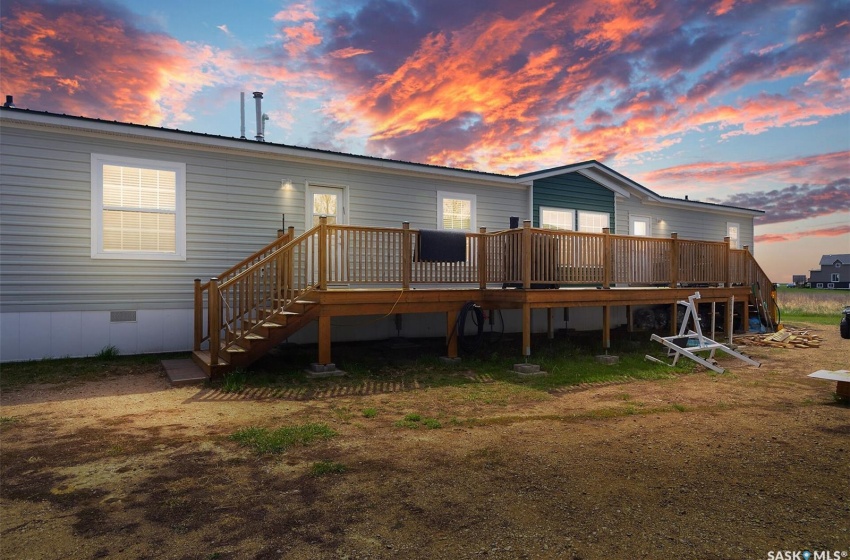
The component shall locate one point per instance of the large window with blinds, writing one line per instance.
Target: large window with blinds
(138, 208)
(455, 211)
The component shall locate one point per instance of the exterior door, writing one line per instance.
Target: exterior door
(323, 200)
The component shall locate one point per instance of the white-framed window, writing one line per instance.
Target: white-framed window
(640, 226)
(837, 264)
(138, 208)
(733, 232)
(592, 222)
(456, 211)
(835, 277)
(830, 286)
(557, 218)
(819, 285)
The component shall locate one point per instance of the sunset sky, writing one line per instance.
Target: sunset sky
(745, 102)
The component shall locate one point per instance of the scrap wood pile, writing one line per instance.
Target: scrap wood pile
(784, 338)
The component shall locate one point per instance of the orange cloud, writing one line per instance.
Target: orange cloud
(90, 62)
(783, 237)
(348, 52)
(295, 13)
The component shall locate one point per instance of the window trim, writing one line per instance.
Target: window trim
(569, 211)
(835, 277)
(473, 208)
(592, 213)
(97, 251)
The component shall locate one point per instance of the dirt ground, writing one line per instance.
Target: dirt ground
(738, 465)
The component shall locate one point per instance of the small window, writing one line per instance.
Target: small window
(556, 218)
(593, 222)
(837, 264)
(138, 209)
(733, 232)
(456, 211)
(835, 277)
(640, 226)
(830, 285)
(819, 285)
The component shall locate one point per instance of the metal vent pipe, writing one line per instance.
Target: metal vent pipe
(258, 100)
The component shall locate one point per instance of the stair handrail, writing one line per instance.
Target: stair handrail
(263, 289)
(202, 288)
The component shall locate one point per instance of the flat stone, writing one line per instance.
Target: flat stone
(449, 360)
(527, 370)
(323, 370)
(184, 372)
(606, 359)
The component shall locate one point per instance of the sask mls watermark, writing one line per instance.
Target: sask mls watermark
(807, 555)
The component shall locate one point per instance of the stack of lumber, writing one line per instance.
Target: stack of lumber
(785, 338)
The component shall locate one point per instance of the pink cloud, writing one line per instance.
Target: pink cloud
(784, 237)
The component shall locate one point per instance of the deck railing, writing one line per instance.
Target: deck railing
(332, 255)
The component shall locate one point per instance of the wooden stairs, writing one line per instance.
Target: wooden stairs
(257, 340)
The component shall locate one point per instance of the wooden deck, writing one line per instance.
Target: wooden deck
(332, 271)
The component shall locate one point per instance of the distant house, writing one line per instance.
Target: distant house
(798, 279)
(834, 273)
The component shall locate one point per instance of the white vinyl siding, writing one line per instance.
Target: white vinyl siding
(456, 211)
(696, 223)
(138, 209)
(557, 218)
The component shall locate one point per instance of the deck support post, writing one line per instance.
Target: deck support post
(550, 323)
(674, 318)
(730, 317)
(606, 326)
(324, 340)
(630, 322)
(451, 335)
(526, 330)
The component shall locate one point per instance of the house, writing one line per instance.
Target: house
(798, 279)
(105, 226)
(834, 273)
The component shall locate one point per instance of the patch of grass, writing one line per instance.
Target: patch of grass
(322, 468)
(679, 407)
(369, 412)
(109, 352)
(264, 441)
(431, 423)
(414, 421)
(789, 319)
(234, 382)
(74, 370)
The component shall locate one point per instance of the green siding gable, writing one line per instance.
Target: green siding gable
(572, 191)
